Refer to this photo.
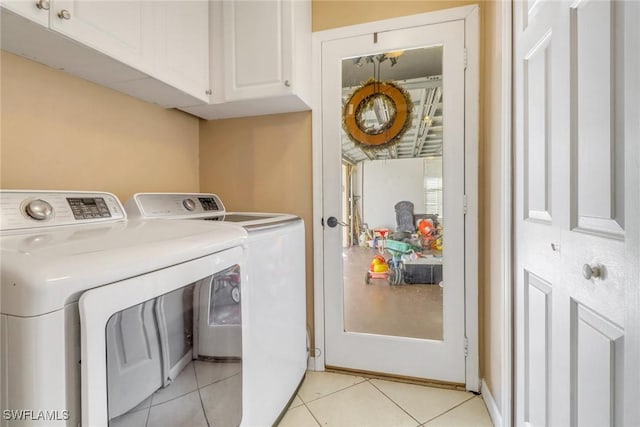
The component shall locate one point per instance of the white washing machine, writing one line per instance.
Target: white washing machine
(274, 340)
(100, 314)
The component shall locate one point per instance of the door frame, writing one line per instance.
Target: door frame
(632, 241)
(470, 15)
(508, 243)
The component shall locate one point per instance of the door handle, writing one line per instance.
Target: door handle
(332, 221)
(594, 271)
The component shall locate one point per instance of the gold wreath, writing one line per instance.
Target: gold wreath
(392, 131)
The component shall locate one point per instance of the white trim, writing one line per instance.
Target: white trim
(490, 403)
(471, 135)
(632, 226)
(507, 216)
(472, 36)
(317, 352)
(311, 364)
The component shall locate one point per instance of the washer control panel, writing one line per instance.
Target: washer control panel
(209, 203)
(89, 207)
(33, 209)
(174, 205)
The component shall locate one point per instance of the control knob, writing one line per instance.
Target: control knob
(189, 204)
(39, 210)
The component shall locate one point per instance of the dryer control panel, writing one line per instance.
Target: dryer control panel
(36, 209)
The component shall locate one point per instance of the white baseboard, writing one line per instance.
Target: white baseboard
(494, 412)
(311, 364)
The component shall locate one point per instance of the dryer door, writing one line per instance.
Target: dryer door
(137, 337)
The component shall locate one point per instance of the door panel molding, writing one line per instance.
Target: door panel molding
(598, 187)
(537, 321)
(597, 359)
(537, 154)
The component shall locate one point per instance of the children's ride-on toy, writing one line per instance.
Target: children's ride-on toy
(391, 269)
(379, 269)
(397, 250)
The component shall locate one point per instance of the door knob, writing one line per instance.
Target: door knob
(332, 221)
(592, 271)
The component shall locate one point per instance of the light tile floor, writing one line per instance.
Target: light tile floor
(204, 394)
(331, 399)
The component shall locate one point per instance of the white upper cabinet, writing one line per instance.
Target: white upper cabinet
(182, 43)
(157, 51)
(258, 38)
(261, 58)
(36, 10)
(211, 58)
(122, 30)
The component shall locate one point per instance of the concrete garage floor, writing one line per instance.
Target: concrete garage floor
(378, 308)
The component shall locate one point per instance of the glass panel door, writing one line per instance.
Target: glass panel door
(393, 165)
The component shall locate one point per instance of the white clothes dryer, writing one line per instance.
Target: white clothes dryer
(98, 314)
(274, 340)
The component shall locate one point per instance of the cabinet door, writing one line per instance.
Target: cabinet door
(258, 48)
(182, 37)
(36, 10)
(122, 30)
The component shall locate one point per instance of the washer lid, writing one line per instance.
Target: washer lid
(254, 221)
(42, 270)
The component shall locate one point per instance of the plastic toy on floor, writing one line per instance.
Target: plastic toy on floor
(379, 269)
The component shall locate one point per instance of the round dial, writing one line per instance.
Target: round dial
(39, 210)
(189, 204)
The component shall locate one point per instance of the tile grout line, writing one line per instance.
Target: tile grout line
(151, 405)
(448, 410)
(204, 412)
(395, 403)
(333, 392)
(195, 374)
(146, 420)
(312, 414)
(196, 389)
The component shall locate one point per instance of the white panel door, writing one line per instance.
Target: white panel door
(438, 356)
(570, 211)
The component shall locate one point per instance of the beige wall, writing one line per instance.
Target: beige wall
(262, 164)
(62, 132)
(491, 267)
(328, 14)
